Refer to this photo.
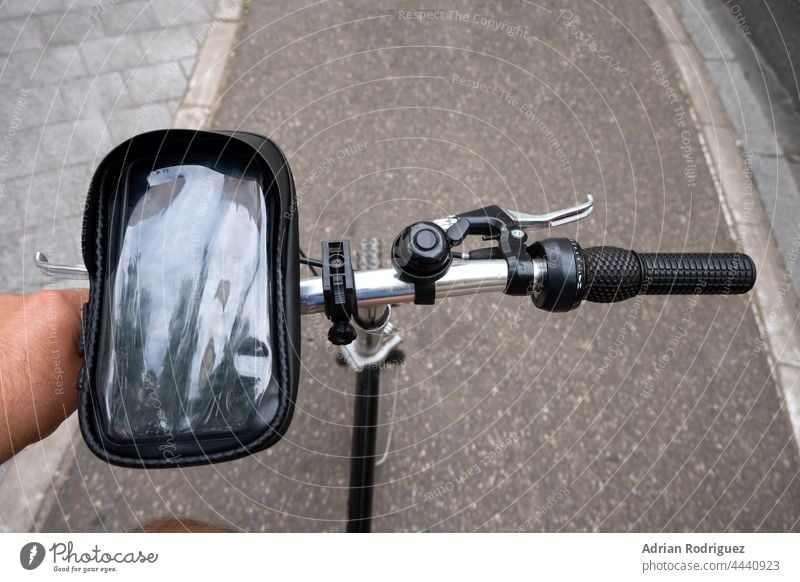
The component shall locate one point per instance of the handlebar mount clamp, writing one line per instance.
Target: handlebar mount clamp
(339, 291)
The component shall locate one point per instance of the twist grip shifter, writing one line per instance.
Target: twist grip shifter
(610, 274)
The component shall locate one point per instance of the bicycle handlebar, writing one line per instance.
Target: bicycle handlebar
(564, 274)
(614, 274)
(384, 286)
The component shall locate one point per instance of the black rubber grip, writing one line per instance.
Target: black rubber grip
(614, 274)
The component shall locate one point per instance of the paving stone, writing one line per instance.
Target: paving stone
(155, 83)
(74, 25)
(128, 17)
(169, 44)
(59, 62)
(187, 66)
(86, 140)
(96, 97)
(34, 107)
(15, 70)
(210, 6)
(126, 123)
(38, 68)
(20, 34)
(13, 8)
(44, 197)
(81, 63)
(23, 108)
(21, 154)
(115, 53)
(181, 12)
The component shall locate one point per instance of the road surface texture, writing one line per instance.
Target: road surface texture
(653, 414)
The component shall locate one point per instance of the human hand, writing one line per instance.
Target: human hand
(39, 364)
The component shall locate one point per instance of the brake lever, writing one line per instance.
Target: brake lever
(59, 271)
(514, 219)
(555, 218)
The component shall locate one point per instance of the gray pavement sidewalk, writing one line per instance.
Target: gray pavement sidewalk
(648, 415)
(76, 78)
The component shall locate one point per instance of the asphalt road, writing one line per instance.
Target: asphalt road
(654, 414)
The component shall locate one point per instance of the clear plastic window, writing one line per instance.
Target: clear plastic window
(185, 347)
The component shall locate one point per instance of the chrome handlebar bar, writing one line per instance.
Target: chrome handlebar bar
(384, 286)
(373, 288)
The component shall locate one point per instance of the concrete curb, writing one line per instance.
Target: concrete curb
(773, 299)
(200, 100)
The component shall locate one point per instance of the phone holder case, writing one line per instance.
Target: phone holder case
(191, 332)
